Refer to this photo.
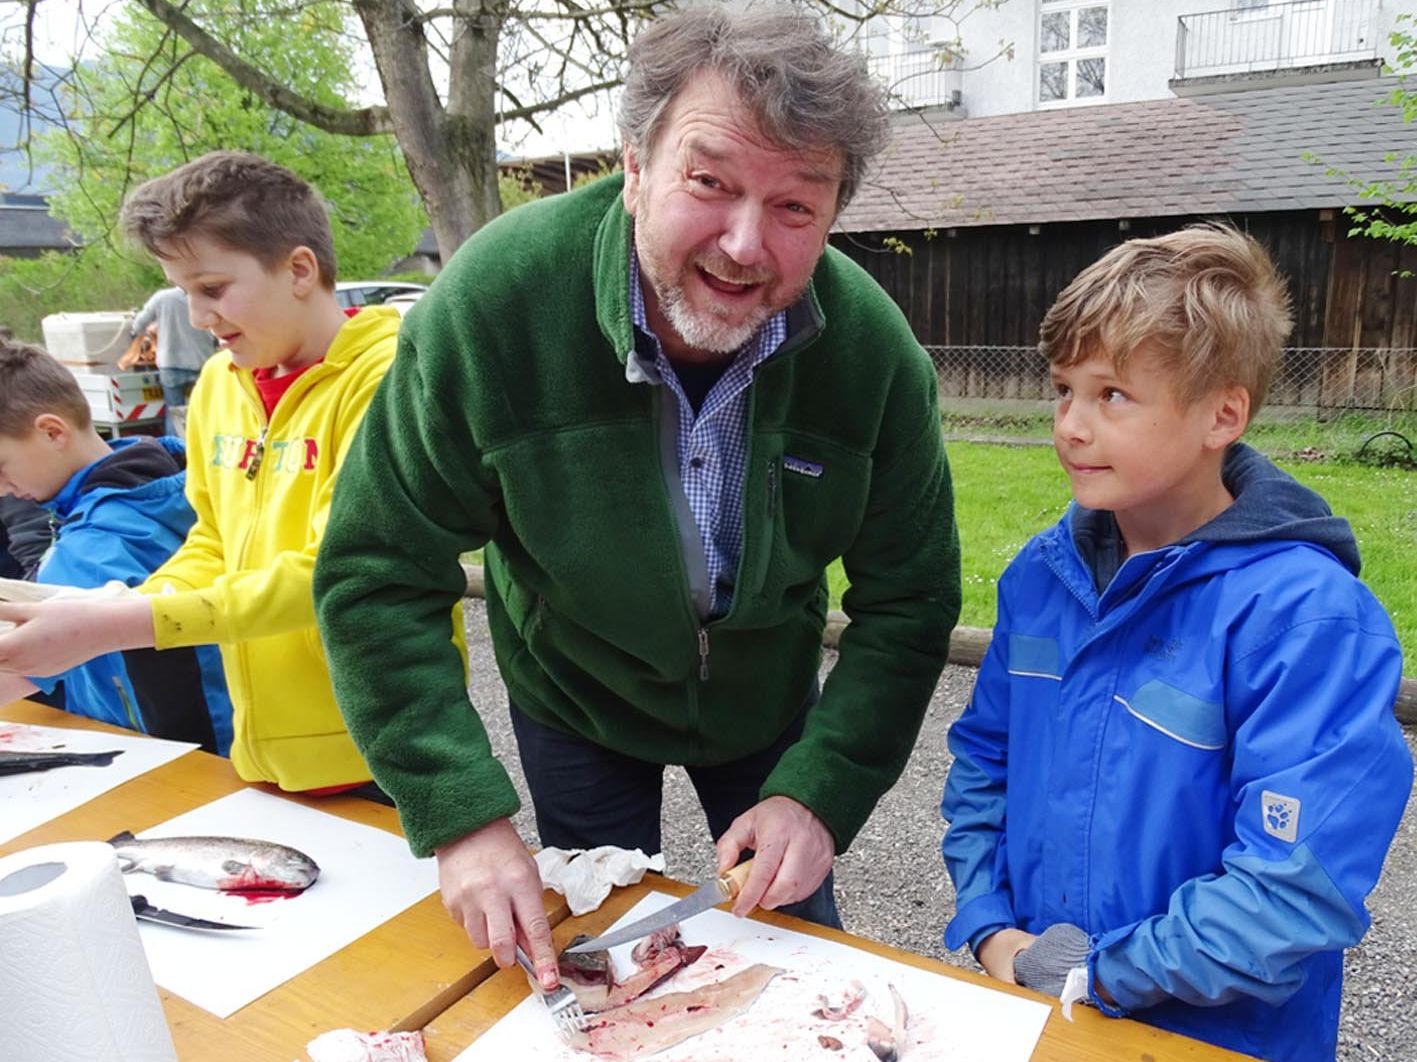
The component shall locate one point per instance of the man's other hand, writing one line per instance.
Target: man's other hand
(491, 887)
(793, 853)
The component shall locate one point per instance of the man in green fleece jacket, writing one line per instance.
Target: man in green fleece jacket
(664, 407)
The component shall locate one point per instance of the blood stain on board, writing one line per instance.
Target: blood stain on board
(255, 896)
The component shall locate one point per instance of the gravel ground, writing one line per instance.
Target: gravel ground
(891, 886)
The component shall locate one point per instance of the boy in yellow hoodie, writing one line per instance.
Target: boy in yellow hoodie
(270, 420)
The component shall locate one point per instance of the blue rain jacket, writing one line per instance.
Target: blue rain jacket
(1199, 765)
(118, 519)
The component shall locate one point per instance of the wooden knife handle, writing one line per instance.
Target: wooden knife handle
(732, 883)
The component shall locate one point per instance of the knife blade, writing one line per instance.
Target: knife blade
(720, 890)
(145, 910)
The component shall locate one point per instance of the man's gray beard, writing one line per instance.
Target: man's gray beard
(704, 330)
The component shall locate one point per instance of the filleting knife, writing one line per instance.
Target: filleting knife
(719, 890)
(145, 910)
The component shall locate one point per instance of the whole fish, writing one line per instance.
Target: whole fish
(230, 864)
(12, 762)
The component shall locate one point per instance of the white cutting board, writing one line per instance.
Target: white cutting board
(949, 1019)
(30, 800)
(367, 876)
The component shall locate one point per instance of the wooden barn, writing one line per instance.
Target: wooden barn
(975, 225)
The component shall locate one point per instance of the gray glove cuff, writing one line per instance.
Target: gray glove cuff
(1043, 966)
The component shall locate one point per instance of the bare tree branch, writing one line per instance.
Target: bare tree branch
(141, 98)
(571, 13)
(369, 121)
(525, 113)
(27, 70)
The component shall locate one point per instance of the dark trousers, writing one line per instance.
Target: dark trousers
(177, 387)
(586, 795)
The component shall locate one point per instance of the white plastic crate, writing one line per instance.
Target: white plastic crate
(87, 340)
(117, 397)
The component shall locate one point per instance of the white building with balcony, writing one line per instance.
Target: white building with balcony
(1028, 55)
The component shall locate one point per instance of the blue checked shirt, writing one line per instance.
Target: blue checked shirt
(712, 445)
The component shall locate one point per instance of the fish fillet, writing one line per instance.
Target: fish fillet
(648, 1026)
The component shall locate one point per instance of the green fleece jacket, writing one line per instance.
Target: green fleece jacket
(507, 421)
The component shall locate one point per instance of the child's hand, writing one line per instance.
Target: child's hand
(1045, 964)
(52, 636)
(996, 953)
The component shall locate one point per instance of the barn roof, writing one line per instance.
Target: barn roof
(26, 225)
(1235, 152)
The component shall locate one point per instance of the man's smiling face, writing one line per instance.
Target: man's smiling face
(728, 226)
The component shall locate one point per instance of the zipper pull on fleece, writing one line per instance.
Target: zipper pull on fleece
(703, 655)
(257, 454)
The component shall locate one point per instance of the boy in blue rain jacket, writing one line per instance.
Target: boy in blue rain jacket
(118, 512)
(1179, 773)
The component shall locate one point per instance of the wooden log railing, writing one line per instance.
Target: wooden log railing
(969, 644)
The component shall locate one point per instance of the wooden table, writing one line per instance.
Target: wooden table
(398, 976)
(418, 970)
(1090, 1037)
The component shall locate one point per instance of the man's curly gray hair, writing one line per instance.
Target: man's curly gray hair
(804, 91)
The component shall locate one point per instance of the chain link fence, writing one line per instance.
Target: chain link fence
(1329, 401)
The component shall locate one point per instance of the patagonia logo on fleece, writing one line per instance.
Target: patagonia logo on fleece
(291, 456)
(802, 466)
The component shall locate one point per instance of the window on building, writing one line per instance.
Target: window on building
(1072, 51)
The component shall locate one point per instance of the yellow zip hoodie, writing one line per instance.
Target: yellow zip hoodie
(242, 579)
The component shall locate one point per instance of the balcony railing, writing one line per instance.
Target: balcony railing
(1266, 37)
(926, 77)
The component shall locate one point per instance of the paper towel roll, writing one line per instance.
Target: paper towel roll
(73, 977)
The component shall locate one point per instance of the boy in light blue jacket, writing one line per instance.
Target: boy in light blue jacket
(1179, 773)
(118, 511)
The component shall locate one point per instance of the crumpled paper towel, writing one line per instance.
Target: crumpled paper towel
(586, 876)
(1076, 989)
(346, 1045)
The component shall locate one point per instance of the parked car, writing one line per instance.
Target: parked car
(403, 301)
(352, 294)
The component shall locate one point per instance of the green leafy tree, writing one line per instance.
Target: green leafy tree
(1389, 211)
(96, 278)
(150, 103)
(450, 71)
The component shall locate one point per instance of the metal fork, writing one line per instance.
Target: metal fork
(564, 1007)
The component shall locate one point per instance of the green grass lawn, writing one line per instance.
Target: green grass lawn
(1277, 432)
(1006, 494)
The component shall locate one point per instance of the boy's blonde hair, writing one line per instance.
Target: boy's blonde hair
(1207, 298)
(31, 384)
(238, 199)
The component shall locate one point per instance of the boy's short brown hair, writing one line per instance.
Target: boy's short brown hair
(31, 384)
(238, 199)
(1207, 298)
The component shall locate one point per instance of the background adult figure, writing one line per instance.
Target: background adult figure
(665, 407)
(182, 350)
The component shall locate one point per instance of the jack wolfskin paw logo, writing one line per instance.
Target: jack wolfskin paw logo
(1281, 816)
